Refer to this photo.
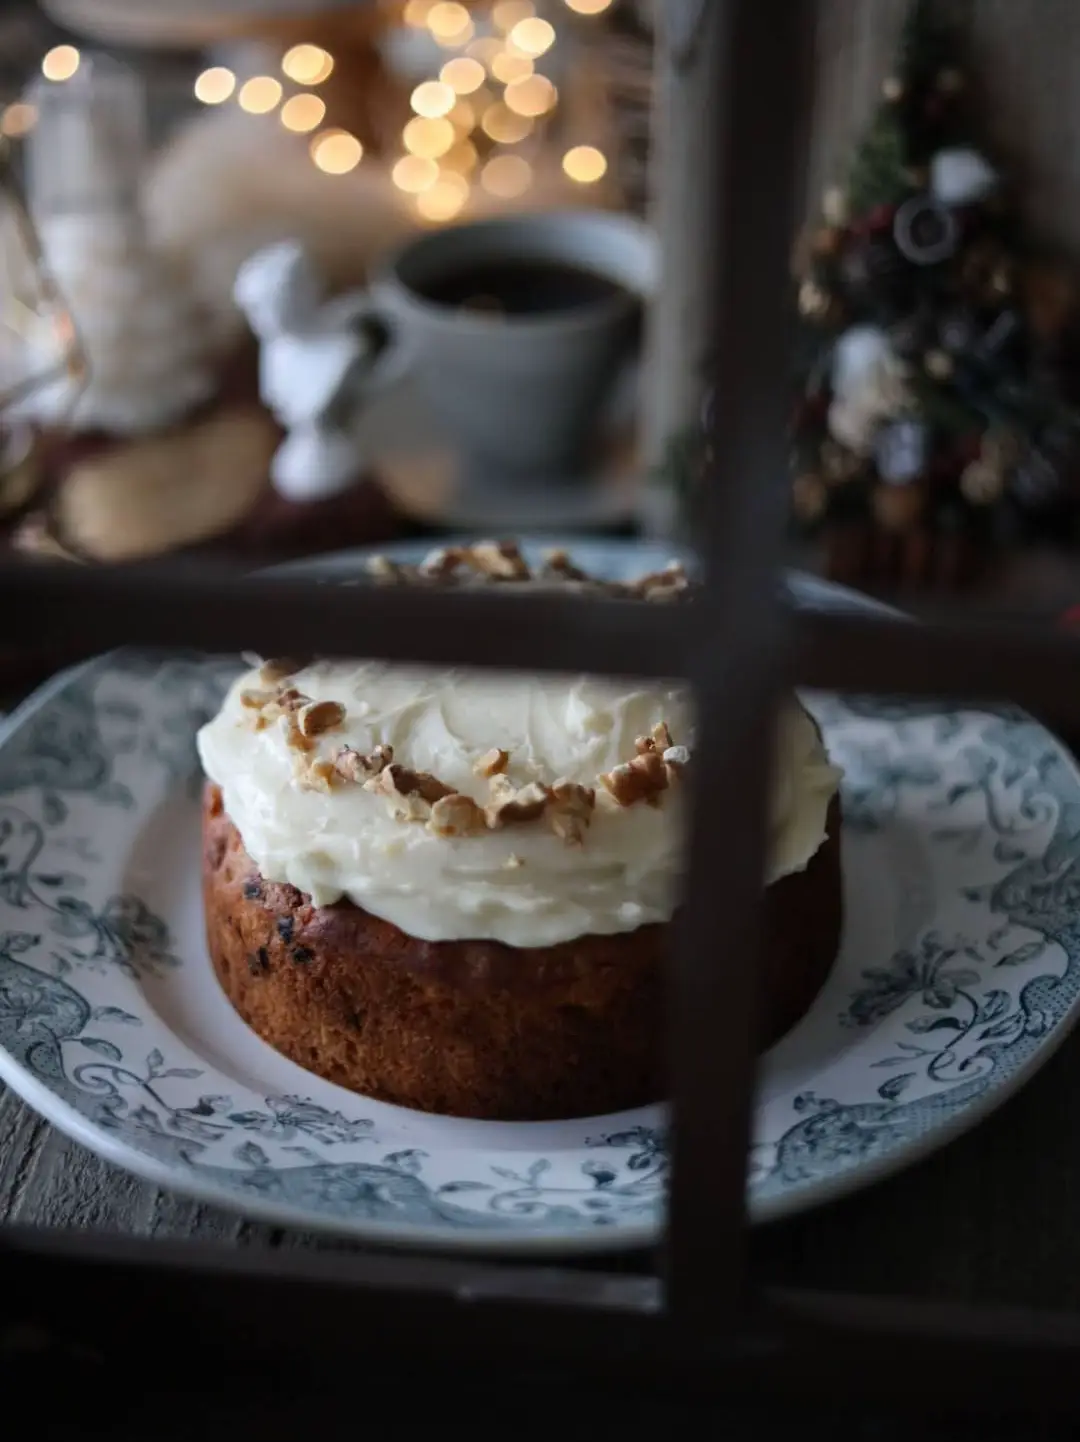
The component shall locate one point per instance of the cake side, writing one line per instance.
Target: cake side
(475, 1027)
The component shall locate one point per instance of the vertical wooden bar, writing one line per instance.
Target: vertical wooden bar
(763, 65)
(687, 91)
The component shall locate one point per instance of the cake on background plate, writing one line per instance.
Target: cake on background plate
(453, 890)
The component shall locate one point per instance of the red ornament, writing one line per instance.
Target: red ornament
(873, 222)
(881, 217)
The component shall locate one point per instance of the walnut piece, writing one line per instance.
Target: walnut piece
(256, 700)
(669, 584)
(659, 740)
(641, 779)
(385, 571)
(443, 563)
(558, 565)
(314, 775)
(492, 763)
(498, 560)
(412, 794)
(509, 806)
(353, 766)
(319, 716)
(569, 811)
(456, 815)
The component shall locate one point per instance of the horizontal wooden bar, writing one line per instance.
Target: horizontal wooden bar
(47, 605)
(83, 611)
(1033, 667)
(325, 1314)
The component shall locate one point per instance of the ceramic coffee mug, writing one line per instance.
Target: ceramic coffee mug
(513, 329)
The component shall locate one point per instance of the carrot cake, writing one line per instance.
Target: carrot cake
(453, 890)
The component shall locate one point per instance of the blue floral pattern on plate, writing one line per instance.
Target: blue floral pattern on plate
(960, 971)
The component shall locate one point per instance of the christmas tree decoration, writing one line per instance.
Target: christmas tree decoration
(961, 177)
(925, 230)
(939, 397)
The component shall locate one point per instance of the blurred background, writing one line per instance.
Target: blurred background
(206, 340)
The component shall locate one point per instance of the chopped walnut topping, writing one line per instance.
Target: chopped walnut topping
(441, 564)
(558, 565)
(411, 793)
(318, 774)
(352, 766)
(396, 780)
(279, 669)
(666, 585)
(256, 700)
(641, 779)
(659, 740)
(509, 806)
(492, 763)
(294, 737)
(382, 569)
(291, 699)
(319, 716)
(456, 815)
(498, 560)
(270, 706)
(570, 810)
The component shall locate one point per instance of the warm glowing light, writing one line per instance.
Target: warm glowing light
(18, 119)
(533, 36)
(503, 126)
(587, 7)
(416, 13)
(214, 86)
(259, 95)
(336, 151)
(506, 14)
(445, 198)
(428, 138)
(414, 173)
(60, 63)
(585, 164)
(463, 117)
(461, 158)
(307, 64)
(432, 99)
(485, 50)
(462, 74)
(302, 113)
(449, 22)
(506, 176)
(508, 67)
(535, 95)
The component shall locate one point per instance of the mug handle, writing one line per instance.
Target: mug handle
(386, 360)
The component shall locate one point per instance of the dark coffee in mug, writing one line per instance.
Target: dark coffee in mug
(521, 287)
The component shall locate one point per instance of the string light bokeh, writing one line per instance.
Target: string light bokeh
(477, 121)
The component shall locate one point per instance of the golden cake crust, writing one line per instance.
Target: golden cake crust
(478, 1028)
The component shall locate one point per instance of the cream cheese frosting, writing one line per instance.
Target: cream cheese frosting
(521, 885)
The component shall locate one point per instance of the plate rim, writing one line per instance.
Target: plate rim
(550, 1241)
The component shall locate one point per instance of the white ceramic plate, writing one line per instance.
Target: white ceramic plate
(959, 973)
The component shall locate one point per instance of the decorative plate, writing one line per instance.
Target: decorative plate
(959, 973)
